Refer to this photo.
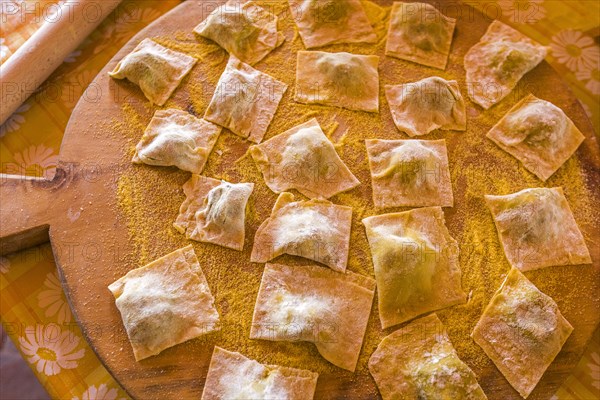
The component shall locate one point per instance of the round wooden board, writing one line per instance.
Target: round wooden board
(107, 216)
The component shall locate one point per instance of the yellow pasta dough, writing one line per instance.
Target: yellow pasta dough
(498, 61)
(323, 22)
(245, 29)
(429, 104)
(245, 100)
(338, 79)
(302, 158)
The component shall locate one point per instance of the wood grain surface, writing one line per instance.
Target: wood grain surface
(94, 245)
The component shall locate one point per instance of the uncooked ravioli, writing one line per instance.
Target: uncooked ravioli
(539, 134)
(314, 304)
(156, 69)
(233, 376)
(418, 361)
(304, 159)
(521, 330)
(165, 303)
(424, 106)
(418, 32)
(498, 61)
(245, 29)
(315, 229)
(177, 138)
(245, 100)
(537, 229)
(323, 22)
(416, 264)
(411, 173)
(338, 79)
(214, 211)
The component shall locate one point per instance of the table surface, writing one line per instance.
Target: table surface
(33, 308)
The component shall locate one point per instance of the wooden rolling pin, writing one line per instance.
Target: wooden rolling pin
(46, 49)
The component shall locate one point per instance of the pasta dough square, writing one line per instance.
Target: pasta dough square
(233, 376)
(302, 158)
(538, 134)
(338, 79)
(244, 29)
(155, 69)
(165, 303)
(424, 106)
(177, 138)
(416, 264)
(315, 229)
(245, 100)
(498, 62)
(537, 229)
(314, 304)
(419, 33)
(327, 22)
(410, 173)
(522, 331)
(214, 211)
(419, 362)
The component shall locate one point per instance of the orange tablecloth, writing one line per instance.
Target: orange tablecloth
(32, 304)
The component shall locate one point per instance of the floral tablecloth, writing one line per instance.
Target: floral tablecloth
(33, 308)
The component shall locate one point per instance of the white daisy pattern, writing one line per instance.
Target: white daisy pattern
(37, 160)
(4, 265)
(523, 11)
(50, 349)
(592, 76)
(102, 392)
(594, 367)
(52, 299)
(576, 50)
(14, 121)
